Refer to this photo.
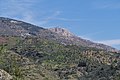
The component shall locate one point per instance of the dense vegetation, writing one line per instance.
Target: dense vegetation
(33, 58)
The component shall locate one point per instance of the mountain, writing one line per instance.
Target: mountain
(79, 41)
(30, 52)
(19, 28)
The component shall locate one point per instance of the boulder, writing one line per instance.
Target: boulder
(4, 75)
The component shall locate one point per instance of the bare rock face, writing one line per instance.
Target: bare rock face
(4, 75)
(61, 31)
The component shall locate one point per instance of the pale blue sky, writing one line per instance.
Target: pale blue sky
(97, 20)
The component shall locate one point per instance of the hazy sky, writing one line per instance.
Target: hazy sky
(97, 20)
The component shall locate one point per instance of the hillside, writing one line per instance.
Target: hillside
(75, 40)
(13, 27)
(36, 53)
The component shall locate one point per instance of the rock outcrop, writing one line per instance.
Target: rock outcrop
(4, 75)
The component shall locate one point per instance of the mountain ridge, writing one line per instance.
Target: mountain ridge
(14, 27)
(71, 36)
(53, 54)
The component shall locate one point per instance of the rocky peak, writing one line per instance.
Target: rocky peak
(61, 31)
